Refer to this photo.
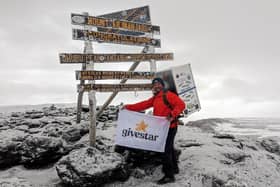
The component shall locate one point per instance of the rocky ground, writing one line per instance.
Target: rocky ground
(46, 147)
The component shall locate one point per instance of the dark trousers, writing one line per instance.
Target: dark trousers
(169, 162)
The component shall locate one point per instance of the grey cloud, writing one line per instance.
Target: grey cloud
(231, 45)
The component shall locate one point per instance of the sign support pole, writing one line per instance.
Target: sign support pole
(113, 95)
(153, 65)
(91, 94)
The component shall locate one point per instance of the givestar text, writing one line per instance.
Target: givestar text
(146, 136)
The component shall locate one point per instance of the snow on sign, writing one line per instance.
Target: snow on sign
(139, 15)
(117, 57)
(180, 80)
(99, 75)
(79, 19)
(79, 34)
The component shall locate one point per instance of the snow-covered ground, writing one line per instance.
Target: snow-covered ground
(262, 127)
(205, 159)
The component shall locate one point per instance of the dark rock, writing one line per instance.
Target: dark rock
(5, 128)
(189, 143)
(138, 173)
(236, 156)
(53, 129)
(52, 107)
(22, 128)
(212, 181)
(10, 146)
(4, 123)
(71, 135)
(223, 136)
(34, 123)
(103, 118)
(252, 147)
(112, 117)
(36, 115)
(271, 145)
(16, 114)
(91, 167)
(9, 154)
(34, 130)
(85, 108)
(41, 150)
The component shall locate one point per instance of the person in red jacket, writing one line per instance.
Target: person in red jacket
(160, 108)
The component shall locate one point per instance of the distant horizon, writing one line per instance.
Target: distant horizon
(192, 117)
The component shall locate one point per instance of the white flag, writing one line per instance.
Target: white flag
(137, 130)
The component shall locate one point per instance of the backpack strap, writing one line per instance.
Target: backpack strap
(165, 100)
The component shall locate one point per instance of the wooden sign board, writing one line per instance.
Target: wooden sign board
(99, 75)
(79, 19)
(139, 15)
(114, 87)
(69, 58)
(114, 38)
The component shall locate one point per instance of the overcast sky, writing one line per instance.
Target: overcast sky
(233, 47)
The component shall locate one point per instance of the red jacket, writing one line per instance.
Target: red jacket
(160, 108)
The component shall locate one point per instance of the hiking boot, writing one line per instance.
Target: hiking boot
(165, 180)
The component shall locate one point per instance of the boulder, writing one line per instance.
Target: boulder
(10, 144)
(271, 145)
(72, 134)
(41, 150)
(89, 166)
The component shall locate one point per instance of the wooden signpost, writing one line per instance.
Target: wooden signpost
(138, 15)
(78, 19)
(79, 34)
(99, 75)
(114, 87)
(70, 58)
(127, 27)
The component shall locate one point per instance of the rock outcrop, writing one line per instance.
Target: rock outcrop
(206, 157)
(91, 167)
(40, 137)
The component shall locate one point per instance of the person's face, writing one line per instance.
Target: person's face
(157, 87)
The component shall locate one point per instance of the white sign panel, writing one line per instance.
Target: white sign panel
(137, 130)
(186, 89)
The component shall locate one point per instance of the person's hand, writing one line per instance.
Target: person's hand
(169, 118)
(123, 107)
